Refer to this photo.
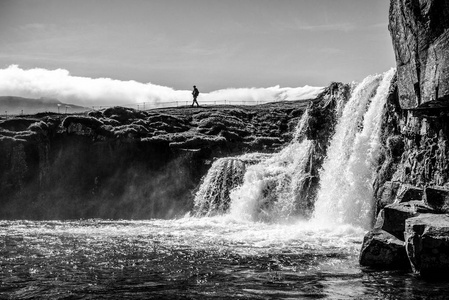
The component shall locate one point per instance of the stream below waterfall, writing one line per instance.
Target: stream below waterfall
(192, 258)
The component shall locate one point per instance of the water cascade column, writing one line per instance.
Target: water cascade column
(345, 195)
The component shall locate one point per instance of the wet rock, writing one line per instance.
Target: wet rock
(382, 250)
(427, 245)
(437, 198)
(392, 218)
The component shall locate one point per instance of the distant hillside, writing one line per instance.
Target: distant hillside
(17, 105)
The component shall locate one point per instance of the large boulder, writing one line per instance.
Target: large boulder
(427, 245)
(392, 217)
(421, 43)
(382, 250)
(437, 198)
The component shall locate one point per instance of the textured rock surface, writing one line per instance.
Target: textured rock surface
(415, 152)
(421, 44)
(415, 130)
(392, 218)
(427, 245)
(409, 193)
(382, 250)
(437, 198)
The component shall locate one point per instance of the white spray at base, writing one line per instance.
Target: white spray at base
(346, 194)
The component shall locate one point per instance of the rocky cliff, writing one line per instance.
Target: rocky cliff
(419, 29)
(124, 163)
(412, 185)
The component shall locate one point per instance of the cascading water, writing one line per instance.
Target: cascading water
(274, 189)
(345, 195)
(270, 188)
(226, 173)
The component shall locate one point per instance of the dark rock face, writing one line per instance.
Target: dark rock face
(382, 250)
(123, 163)
(414, 165)
(392, 218)
(421, 44)
(427, 244)
(415, 153)
(437, 198)
(322, 118)
(409, 193)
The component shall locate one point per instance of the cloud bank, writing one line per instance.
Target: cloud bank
(85, 91)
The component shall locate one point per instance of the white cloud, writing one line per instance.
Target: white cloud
(85, 91)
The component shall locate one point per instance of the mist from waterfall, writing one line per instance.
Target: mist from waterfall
(346, 194)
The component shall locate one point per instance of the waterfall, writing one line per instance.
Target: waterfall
(271, 188)
(345, 195)
(277, 187)
(226, 173)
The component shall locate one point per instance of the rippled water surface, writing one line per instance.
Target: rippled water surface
(207, 258)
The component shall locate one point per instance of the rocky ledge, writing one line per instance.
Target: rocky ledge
(124, 163)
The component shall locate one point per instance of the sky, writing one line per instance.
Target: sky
(174, 44)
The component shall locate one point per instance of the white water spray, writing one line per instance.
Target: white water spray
(345, 195)
(270, 188)
(225, 174)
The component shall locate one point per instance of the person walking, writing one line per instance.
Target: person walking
(195, 94)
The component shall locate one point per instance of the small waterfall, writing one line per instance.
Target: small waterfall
(345, 195)
(271, 188)
(226, 173)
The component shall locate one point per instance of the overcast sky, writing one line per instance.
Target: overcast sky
(214, 44)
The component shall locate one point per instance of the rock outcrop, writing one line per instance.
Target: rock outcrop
(427, 244)
(392, 217)
(412, 184)
(419, 29)
(383, 250)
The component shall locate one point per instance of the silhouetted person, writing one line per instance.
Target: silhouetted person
(195, 94)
